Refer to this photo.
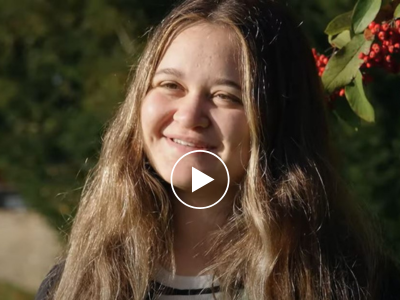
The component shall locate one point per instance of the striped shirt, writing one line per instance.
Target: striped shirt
(172, 288)
(186, 287)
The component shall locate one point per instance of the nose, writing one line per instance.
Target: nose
(190, 112)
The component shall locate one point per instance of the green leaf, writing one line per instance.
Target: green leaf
(338, 24)
(346, 117)
(358, 101)
(347, 128)
(364, 13)
(344, 64)
(396, 13)
(340, 40)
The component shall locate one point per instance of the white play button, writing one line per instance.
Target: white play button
(199, 179)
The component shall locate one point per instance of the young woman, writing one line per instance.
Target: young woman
(237, 78)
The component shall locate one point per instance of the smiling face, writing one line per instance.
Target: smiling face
(194, 103)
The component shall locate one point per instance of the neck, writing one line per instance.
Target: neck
(192, 228)
(191, 225)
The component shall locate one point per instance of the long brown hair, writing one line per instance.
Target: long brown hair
(294, 232)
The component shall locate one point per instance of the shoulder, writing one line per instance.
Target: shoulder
(53, 276)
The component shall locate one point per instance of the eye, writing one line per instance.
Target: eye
(170, 85)
(228, 97)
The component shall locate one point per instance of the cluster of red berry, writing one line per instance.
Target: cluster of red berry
(387, 44)
(381, 54)
(321, 61)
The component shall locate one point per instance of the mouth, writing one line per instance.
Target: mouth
(188, 146)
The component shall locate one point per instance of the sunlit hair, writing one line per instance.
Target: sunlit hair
(293, 233)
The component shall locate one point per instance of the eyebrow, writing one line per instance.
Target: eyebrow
(169, 71)
(219, 81)
(231, 83)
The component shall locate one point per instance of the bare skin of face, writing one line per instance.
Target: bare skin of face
(196, 96)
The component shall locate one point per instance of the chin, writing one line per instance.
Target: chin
(183, 186)
(182, 179)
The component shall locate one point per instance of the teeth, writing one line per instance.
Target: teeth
(183, 143)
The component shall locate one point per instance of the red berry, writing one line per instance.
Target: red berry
(325, 61)
(385, 26)
(371, 25)
(397, 23)
(368, 65)
(372, 54)
(376, 48)
(381, 35)
(341, 93)
(361, 55)
(388, 58)
(390, 48)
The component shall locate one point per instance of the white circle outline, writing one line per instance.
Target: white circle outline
(227, 184)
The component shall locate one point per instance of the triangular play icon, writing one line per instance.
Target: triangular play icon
(199, 179)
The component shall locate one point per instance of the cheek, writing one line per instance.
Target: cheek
(153, 111)
(235, 131)
(154, 114)
(236, 136)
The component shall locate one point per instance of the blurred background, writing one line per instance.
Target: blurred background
(64, 68)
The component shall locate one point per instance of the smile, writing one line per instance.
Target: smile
(185, 143)
(186, 146)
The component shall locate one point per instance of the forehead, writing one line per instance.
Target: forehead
(203, 45)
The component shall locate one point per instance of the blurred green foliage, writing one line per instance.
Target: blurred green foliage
(63, 70)
(11, 292)
(371, 157)
(64, 67)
